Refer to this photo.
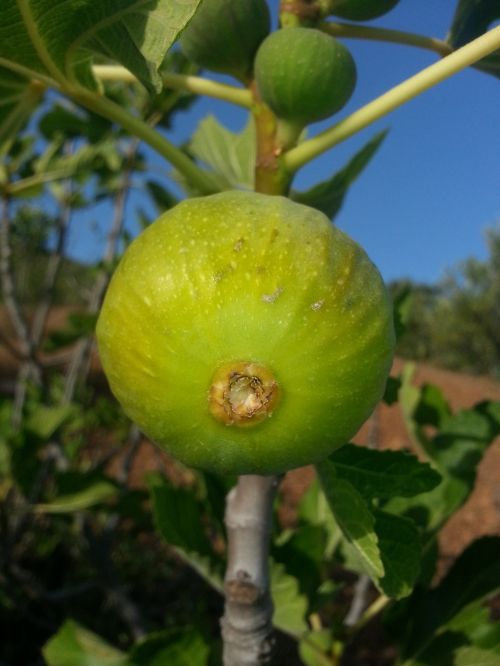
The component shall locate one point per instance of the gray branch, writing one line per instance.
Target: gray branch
(247, 629)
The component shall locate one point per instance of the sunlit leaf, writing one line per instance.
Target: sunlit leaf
(79, 647)
(57, 42)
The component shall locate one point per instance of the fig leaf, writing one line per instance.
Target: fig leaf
(383, 474)
(373, 538)
(57, 41)
(73, 644)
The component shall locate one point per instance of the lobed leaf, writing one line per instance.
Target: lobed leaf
(354, 518)
(231, 155)
(57, 42)
(384, 545)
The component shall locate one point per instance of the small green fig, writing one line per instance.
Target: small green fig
(361, 10)
(304, 75)
(245, 334)
(224, 36)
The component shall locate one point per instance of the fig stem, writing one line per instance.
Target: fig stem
(430, 76)
(247, 629)
(348, 30)
(194, 84)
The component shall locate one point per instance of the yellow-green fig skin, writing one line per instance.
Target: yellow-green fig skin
(245, 277)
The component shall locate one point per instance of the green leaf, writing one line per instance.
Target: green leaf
(18, 99)
(44, 421)
(290, 606)
(476, 623)
(472, 19)
(328, 196)
(176, 647)
(432, 408)
(403, 301)
(231, 155)
(56, 42)
(472, 656)
(383, 545)
(302, 552)
(72, 124)
(94, 493)
(399, 543)
(383, 474)
(391, 390)
(79, 647)
(474, 577)
(314, 510)
(178, 518)
(316, 648)
(354, 518)
(162, 198)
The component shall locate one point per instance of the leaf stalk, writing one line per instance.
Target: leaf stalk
(350, 31)
(193, 84)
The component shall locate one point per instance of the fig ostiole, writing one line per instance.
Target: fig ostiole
(224, 35)
(304, 75)
(360, 10)
(246, 334)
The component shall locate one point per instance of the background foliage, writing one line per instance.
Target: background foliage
(102, 565)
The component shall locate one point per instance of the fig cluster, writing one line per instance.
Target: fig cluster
(244, 333)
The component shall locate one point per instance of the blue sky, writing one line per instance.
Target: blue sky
(423, 203)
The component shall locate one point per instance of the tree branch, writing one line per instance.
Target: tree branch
(247, 622)
(349, 30)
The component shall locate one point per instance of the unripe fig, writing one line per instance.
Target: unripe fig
(244, 333)
(224, 35)
(304, 75)
(361, 10)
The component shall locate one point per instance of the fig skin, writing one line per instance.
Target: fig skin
(224, 36)
(304, 75)
(361, 10)
(246, 280)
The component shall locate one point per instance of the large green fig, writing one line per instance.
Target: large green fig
(361, 10)
(304, 75)
(244, 333)
(224, 35)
